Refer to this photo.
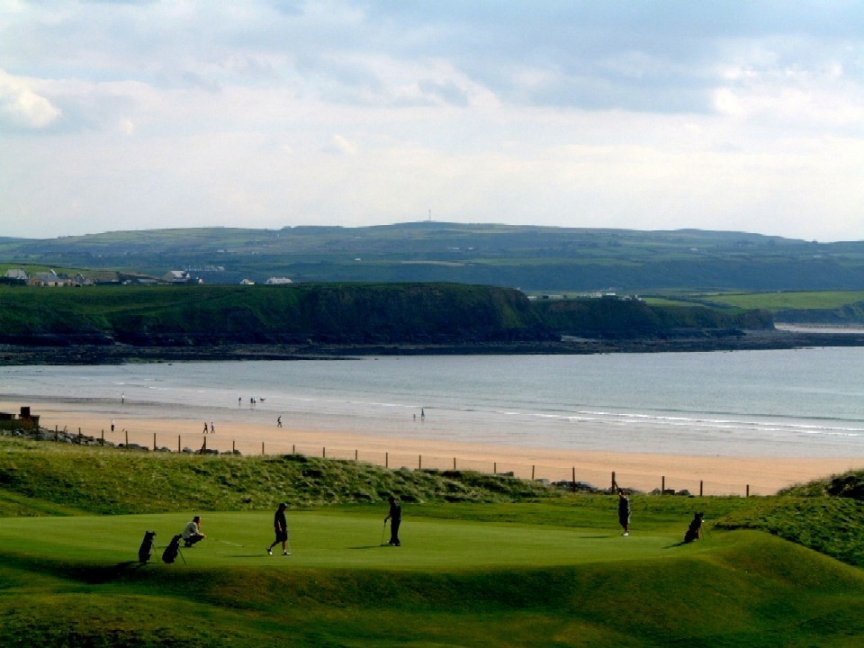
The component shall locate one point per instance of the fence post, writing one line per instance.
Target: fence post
(178, 444)
(356, 454)
(262, 449)
(102, 442)
(233, 447)
(293, 448)
(56, 433)
(573, 477)
(494, 467)
(663, 485)
(700, 487)
(614, 482)
(420, 462)
(386, 459)
(532, 472)
(748, 490)
(126, 432)
(154, 441)
(324, 453)
(454, 463)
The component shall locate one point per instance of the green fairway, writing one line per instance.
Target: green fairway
(555, 575)
(327, 540)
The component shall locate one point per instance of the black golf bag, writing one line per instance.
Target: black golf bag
(146, 548)
(171, 551)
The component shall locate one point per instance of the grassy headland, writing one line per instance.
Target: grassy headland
(310, 317)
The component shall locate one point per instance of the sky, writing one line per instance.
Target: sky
(736, 116)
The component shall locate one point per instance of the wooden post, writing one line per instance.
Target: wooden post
(154, 441)
(178, 444)
(233, 447)
(614, 482)
(420, 462)
(262, 449)
(127, 437)
(386, 459)
(324, 453)
(356, 454)
(748, 490)
(454, 463)
(293, 448)
(204, 447)
(663, 485)
(573, 477)
(532, 472)
(701, 484)
(494, 467)
(103, 438)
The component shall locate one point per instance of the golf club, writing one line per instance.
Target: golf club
(383, 531)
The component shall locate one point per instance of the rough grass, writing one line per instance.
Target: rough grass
(826, 515)
(111, 481)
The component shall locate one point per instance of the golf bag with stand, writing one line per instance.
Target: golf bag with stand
(146, 548)
(171, 551)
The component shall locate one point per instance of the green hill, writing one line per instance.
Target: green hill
(526, 257)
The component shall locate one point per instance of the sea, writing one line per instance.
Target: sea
(778, 403)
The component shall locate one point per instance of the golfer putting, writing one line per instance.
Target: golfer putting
(280, 527)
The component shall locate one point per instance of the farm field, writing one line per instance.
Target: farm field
(784, 300)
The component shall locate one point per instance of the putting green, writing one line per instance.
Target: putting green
(328, 540)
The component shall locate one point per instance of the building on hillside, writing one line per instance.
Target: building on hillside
(247, 282)
(278, 281)
(16, 274)
(50, 279)
(177, 277)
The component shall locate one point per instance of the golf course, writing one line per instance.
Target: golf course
(500, 564)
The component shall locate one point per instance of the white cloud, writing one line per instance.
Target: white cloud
(21, 106)
(722, 115)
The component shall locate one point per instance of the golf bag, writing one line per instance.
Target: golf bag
(146, 548)
(171, 551)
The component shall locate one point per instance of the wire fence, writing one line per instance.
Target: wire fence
(583, 478)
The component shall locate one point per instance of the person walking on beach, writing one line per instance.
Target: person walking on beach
(205, 428)
(624, 511)
(192, 532)
(212, 428)
(112, 425)
(278, 421)
(280, 526)
(395, 517)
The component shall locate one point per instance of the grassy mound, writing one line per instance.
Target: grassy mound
(826, 515)
(103, 480)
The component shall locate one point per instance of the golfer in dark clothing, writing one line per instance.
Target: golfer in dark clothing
(280, 526)
(624, 511)
(395, 517)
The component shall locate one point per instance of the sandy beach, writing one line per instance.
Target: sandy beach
(715, 475)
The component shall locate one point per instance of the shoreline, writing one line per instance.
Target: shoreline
(61, 352)
(719, 475)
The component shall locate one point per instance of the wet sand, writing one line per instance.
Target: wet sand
(715, 475)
